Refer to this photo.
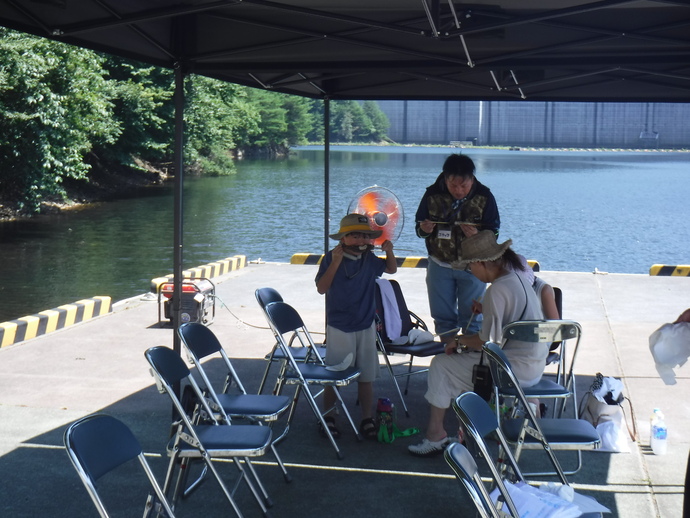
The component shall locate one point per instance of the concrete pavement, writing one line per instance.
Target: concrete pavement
(50, 381)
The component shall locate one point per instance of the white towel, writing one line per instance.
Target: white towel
(391, 313)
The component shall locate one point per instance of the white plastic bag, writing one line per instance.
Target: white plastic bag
(670, 348)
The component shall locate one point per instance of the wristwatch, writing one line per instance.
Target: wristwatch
(462, 348)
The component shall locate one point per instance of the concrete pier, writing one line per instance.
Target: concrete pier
(98, 366)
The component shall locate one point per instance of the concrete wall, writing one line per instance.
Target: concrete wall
(524, 123)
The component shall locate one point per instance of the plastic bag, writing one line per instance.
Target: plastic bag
(670, 348)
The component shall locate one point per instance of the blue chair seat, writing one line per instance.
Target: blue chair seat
(257, 406)
(318, 374)
(560, 433)
(236, 440)
(544, 389)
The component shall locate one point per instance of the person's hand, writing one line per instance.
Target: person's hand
(469, 230)
(387, 246)
(427, 226)
(451, 347)
(338, 252)
(684, 317)
(476, 307)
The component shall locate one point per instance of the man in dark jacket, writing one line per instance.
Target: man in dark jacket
(456, 206)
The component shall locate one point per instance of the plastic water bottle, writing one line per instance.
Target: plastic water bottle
(658, 433)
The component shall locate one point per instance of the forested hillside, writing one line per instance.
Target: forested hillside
(75, 123)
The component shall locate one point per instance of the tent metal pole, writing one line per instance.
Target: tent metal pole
(178, 168)
(326, 173)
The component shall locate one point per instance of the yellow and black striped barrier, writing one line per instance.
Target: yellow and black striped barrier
(50, 320)
(682, 270)
(206, 271)
(405, 262)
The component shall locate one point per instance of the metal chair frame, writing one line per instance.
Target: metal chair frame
(97, 444)
(200, 342)
(285, 320)
(409, 321)
(549, 434)
(205, 441)
(550, 331)
(265, 296)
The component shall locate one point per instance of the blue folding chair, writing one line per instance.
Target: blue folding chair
(528, 432)
(96, 445)
(205, 441)
(480, 422)
(266, 296)
(285, 320)
(200, 343)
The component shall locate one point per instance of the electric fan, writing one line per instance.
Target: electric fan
(384, 210)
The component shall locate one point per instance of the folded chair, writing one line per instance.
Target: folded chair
(285, 320)
(99, 443)
(200, 342)
(557, 332)
(265, 296)
(482, 427)
(524, 431)
(205, 441)
(408, 321)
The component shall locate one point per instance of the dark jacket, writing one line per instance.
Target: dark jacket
(438, 205)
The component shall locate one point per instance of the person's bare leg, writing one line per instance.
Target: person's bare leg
(435, 430)
(365, 392)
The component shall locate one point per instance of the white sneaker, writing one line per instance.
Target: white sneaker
(428, 448)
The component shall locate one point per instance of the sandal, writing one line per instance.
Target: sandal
(368, 428)
(330, 422)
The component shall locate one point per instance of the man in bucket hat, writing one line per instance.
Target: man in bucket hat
(347, 275)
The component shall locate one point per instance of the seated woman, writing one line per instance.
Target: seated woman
(507, 299)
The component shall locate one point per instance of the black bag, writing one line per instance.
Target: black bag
(481, 379)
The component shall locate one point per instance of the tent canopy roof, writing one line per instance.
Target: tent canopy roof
(555, 50)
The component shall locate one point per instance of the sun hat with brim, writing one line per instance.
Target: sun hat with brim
(355, 223)
(482, 247)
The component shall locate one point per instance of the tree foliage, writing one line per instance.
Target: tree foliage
(63, 109)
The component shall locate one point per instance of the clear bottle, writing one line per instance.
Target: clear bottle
(658, 433)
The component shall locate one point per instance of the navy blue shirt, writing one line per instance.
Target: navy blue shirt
(350, 301)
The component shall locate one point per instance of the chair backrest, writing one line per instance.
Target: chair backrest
(558, 296)
(97, 444)
(462, 463)
(480, 422)
(405, 319)
(542, 331)
(266, 296)
(169, 368)
(199, 339)
(284, 317)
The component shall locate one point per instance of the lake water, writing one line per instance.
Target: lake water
(619, 212)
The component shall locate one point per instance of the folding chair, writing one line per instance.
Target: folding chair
(462, 463)
(284, 319)
(480, 422)
(200, 342)
(408, 321)
(265, 296)
(558, 332)
(97, 444)
(205, 441)
(549, 434)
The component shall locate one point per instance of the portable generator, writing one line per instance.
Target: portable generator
(198, 302)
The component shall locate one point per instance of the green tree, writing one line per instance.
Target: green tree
(378, 119)
(55, 105)
(217, 116)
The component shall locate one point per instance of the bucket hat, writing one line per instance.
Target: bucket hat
(355, 223)
(482, 247)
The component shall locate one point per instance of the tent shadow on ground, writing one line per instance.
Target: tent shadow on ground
(373, 478)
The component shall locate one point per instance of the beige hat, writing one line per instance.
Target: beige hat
(355, 223)
(482, 247)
